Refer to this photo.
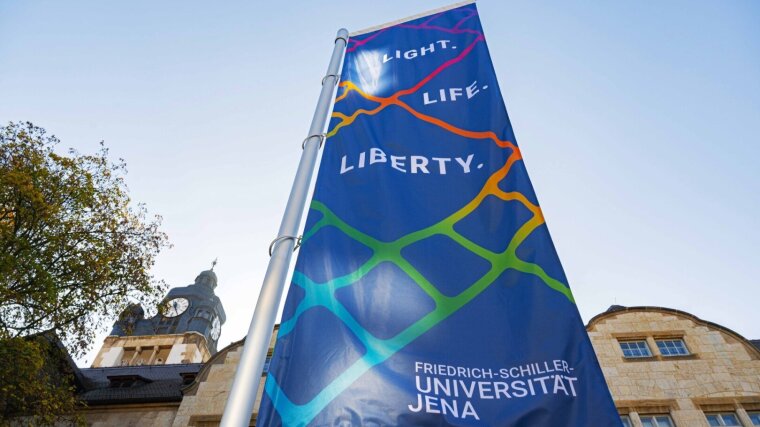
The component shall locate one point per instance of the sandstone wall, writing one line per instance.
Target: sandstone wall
(721, 374)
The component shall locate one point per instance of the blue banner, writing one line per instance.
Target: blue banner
(427, 289)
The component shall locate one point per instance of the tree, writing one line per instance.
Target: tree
(38, 384)
(73, 250)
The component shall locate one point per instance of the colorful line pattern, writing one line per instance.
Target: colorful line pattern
(323, 294)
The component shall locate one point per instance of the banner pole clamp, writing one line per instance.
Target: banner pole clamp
(328, 76)
(321, 137)
(297, 241)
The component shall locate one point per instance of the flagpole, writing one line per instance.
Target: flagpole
(245, 386)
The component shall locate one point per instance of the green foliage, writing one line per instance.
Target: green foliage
(35, 383)
(73, 251)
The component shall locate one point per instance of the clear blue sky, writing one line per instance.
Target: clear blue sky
(639, 123)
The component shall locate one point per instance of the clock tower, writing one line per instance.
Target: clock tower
(185, 329)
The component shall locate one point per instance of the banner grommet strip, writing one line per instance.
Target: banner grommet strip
(296, 239)
(321, 136)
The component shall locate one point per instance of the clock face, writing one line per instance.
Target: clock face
(216, 328)
(175, 307)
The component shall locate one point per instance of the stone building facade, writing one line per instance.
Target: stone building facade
(147, 365)
(664, 367)
(667, 368)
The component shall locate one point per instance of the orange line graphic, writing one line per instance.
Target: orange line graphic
(349, 86)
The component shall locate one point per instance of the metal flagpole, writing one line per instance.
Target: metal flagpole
(239, 407)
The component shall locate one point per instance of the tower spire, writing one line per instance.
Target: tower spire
(213, 263)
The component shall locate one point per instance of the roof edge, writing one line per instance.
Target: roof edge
(619, 309)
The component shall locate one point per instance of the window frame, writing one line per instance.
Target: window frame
(649, 354)
(657, 342)
(654, 418)
(626, 420)
(755, 414)
(720, 418)
(267, 364)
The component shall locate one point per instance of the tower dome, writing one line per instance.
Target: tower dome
(206, 278)
(185, 329)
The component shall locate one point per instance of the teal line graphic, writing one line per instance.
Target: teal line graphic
(377, 350)
(323, 294)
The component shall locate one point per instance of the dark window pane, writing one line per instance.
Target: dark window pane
(730, 420)
(648, 422)
(674, 347)
(635, 349)
(755, 418)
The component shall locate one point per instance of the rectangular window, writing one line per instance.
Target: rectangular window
(723, 419)
(635, 349)
(672, 347)
(754, 417)
(626, 421)
(656, 421)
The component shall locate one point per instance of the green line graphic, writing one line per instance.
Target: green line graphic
(377, 350)
(323, 294)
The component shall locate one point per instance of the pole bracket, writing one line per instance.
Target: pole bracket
(296, 239)
(321, 137)
(337, 77)
(344, 38)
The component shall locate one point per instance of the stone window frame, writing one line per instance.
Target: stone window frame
(655, 408)
(741, 407)
(659, 340)
(754, 417)
(720, 418)
(674, 335)
(267, 363)
(636, 349)
(623, 338)
(651, 339)
(654, 417)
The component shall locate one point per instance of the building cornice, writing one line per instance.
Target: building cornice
(617, 310)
